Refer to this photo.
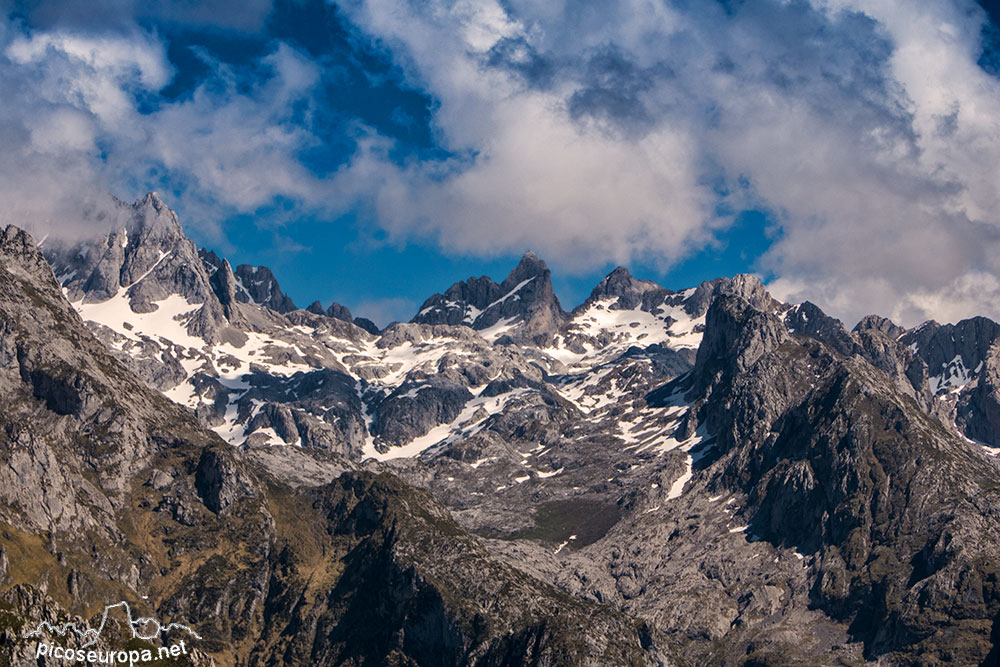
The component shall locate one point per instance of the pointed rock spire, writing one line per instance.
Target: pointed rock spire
(525, 299)
(627, 292)
(261, 288)
(224, 283)
(529, 267)
(339, 312)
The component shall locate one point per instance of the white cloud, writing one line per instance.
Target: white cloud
(579, 194)
(866, 126)
(73, 130)
(590, 132)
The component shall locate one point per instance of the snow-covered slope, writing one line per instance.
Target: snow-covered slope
(259, 372)
(476, 359)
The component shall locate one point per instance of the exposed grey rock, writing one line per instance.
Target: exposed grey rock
(460, 304)
(367, 325)
(271, 572)
(339, 312)
(148, 257)
(525, 299)
(737, 333)
(529, 300)
(699, 301)
(882, 325)
(412, 410)
(627, 292)
(808, 319)
(220, 481)
(783, 492)
(979, 409)
(260, 287)
(159, 480)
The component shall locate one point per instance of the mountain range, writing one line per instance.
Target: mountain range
(702, 476)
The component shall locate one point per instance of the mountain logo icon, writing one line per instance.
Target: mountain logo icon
(143, 628)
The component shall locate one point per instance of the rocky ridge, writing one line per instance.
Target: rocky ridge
(113, 492)
(747, 476)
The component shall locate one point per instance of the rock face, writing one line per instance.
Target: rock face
(626, 292)
(340, 312)
(415, 590)
(259, 286)
(522, 308)
(840, 466)
(146, 254)
(740, 480)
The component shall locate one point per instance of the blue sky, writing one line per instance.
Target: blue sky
(373, 152)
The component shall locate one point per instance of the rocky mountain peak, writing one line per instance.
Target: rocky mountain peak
(714, 426)
(525, 297)
(618, 283)
(617, 280)
(530, 266)
(152, 199)
(145, 253)
(627, 292)
(339, 312)
(749, 288)
(20, 253)
(740, 328)
(259, 286)
(224, 283)
(881, 325)
(807, 318)
(150, 218)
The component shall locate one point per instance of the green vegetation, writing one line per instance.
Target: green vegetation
(558, 520)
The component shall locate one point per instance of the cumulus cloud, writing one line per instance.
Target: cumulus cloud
(52, 120)
(73, 130)
(590, 132)
(595, 132)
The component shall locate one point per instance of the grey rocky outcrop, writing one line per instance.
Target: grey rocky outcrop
(460, 304)
(525, 300)
(809, 320)
(219, 480)
(626, 292)
(259, 286)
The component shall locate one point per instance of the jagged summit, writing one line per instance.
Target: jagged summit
(625, 292)
(256, 285)
(145, 254)
(530, 266)
(261, 288)
(22, 256)
(341, 312)
(106, 484)
(882, 325)
(714, 425)
(524, 306)
(152, 199)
